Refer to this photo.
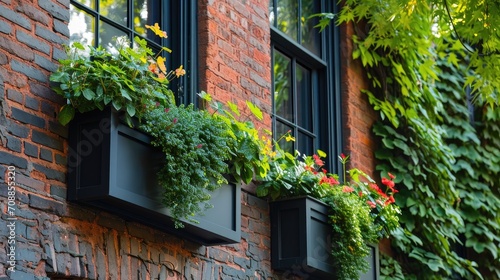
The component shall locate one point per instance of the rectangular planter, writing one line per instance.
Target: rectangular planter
(300, 239)
(113, 167)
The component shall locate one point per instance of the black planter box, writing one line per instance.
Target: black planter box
(300, 240)
(114, 167)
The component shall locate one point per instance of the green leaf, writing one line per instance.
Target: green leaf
(66, 114)
(233, 107)
(125, 94)
(255, 110)
(88, 94)
(131, 110)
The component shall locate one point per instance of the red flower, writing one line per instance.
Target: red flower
(347, 189)
(388, 183)
(167, 109)
(175, 120)
(390, 200)
(318, 161)
(157, 104)
(343, 156)
(199, 146)
(360, 193)
(391, 176)
(371, 204)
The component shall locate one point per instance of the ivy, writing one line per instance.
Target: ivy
(438, 129)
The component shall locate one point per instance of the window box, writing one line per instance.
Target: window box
(114, 167)
(300, 239)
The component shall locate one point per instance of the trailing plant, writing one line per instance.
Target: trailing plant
(196, 147)
(361, 212)
(132, 80)
(249, 151)
(448, 160)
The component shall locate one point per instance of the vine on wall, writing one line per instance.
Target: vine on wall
(444, 148)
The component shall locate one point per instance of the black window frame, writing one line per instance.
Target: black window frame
(327, 123)
(178, 19)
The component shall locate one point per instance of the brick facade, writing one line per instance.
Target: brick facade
(56, 238)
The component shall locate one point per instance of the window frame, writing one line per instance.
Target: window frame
(327, 122)
(178, 19)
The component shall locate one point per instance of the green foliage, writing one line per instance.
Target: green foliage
(360, 212)
(196, 147)
(449, 164)
(249, 153)
(94, 78)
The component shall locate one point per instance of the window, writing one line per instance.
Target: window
(98, 22)
(305, 78)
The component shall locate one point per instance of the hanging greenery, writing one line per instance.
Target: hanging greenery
(433, 68)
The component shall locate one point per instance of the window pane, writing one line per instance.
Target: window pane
(282, 129)
(283, 96)
(305, 144)
(81, 27)
(146, 13)
(88, 3)
(304, 96)
(108, 35)
(116, 10)
(288, 16)
(310, 34)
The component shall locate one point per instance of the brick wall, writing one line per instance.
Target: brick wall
(358, 114)
(57, 238)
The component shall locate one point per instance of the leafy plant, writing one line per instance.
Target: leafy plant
(419, 64)
(249, 152)
(360, 211)
(196, 147)
(132, 80)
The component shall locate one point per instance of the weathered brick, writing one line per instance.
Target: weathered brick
(11, 159)
(31, 41)
(5, 27)
(54, 9)
(61, 27)
(3, 60)
(50, 35)
(51, 173)
(16, 49)
(58, 129)
(15, 96)
(14, 17)
(59, 54)
(27, 118)
(46, 140)
(46, 154)
(45, 63)
(48, 109)
(13, 143)
(32, 103)
(45, 92)
(28, 71)
(30, 150)
(42, 203)
(61, 160)
(58, 191)
(33, 13)
(17, 130)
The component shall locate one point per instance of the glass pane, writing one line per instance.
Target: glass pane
(305, 144)
(271, 12)
(146, 13)
(282, 129)
(116, 10)
(310, 34)
(81, 26)
(304, 98)
(288, 16)
(283, 96)
(88, 3)
(108, 35)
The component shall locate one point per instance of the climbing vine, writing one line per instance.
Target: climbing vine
(434, 74)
